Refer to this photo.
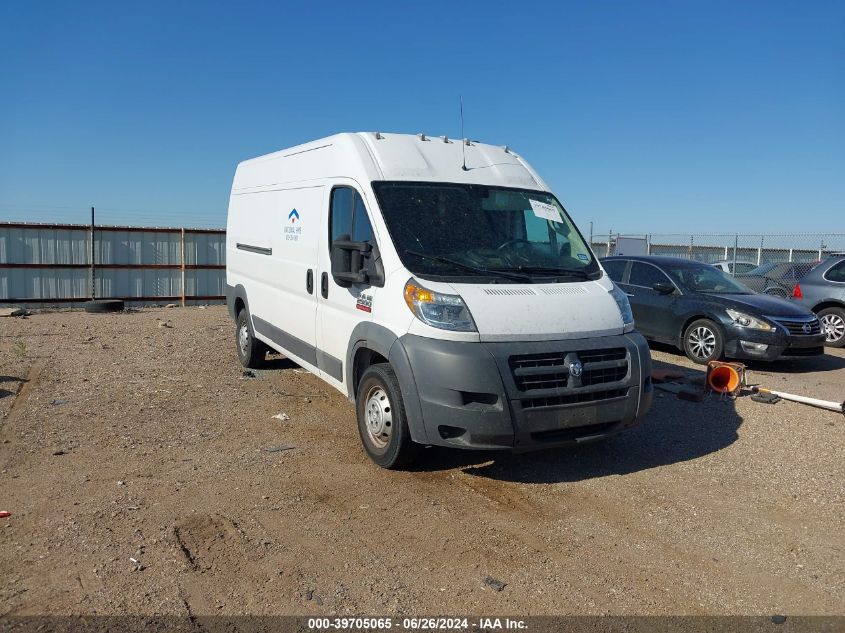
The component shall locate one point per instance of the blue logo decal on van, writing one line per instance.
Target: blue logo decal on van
(293, 216)
(583, 257)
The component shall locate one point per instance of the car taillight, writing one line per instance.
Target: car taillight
(796, 292)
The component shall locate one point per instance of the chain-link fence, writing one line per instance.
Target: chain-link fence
(735, 251)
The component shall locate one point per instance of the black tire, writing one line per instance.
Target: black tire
(100, 306)
(251, 352)
(703, 341)
(382, 423)
(833, 321)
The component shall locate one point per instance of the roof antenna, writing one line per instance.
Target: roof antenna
(463, 143)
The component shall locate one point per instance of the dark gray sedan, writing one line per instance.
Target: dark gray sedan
(822, 290)
(708, 314)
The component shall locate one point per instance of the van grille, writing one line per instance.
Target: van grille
(532, 372)
(573, 398)
(601, 376)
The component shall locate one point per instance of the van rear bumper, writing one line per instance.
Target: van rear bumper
(525, 396)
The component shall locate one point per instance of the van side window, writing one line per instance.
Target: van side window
(349, 216)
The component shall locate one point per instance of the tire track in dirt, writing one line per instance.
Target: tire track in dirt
(25, 387)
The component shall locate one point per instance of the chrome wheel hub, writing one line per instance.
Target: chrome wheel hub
(833, 327)
(378, 413)
(243, 339)
(702, 342)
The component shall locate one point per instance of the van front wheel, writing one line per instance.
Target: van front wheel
(251, 352)
(381, 418)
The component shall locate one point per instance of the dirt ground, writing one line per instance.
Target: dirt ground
(123, 440)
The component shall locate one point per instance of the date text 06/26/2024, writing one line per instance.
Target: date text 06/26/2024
(416, 624)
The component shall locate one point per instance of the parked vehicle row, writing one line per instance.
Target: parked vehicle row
(443, 288)
(708, 314)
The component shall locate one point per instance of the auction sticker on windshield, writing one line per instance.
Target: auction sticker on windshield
(545, 211)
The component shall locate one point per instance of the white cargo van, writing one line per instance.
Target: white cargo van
(438, 284)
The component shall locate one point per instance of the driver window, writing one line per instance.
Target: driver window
(349, 216)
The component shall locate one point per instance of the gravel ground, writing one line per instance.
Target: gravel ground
(126, 440)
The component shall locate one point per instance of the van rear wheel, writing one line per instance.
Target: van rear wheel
(251, 352)
(382, 424)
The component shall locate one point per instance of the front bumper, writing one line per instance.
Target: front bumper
(524, 396)
(781, 343)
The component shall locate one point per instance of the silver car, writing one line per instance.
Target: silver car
(823, 291)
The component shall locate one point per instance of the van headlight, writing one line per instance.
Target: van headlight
(446, 312)
(624, 306)
(746, 320)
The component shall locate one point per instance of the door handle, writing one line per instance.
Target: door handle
(324, 285)
(309, 281)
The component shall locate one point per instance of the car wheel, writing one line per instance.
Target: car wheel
(381, 418)
(251, 352)
(833, 326)
(703, 341)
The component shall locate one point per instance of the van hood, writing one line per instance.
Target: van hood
(542, 312)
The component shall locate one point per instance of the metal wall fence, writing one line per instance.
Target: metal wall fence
(743, 248)
(51, 264)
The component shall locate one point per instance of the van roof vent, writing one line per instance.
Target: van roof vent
(378, 136)
(422, 137)
(509, 291)
(445, 139)
(570, 291)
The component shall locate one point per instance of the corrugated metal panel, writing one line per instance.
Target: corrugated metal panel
(205, 248)
(125, 247)
(114, 246)
(40, 245)
(38, 283)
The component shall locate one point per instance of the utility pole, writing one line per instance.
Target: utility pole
(93, 268)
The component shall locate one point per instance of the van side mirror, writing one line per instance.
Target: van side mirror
(355, 263)
(663, 287)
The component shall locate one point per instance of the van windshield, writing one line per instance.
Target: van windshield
(446, 230)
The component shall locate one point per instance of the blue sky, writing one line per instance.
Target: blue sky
(643, 116)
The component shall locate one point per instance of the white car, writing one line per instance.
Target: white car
(735, 268)
(440, 286)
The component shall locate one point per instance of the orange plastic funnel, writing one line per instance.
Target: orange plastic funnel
(723, 379)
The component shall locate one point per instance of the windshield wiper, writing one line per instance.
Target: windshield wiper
(475, 269)
(551, 270)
